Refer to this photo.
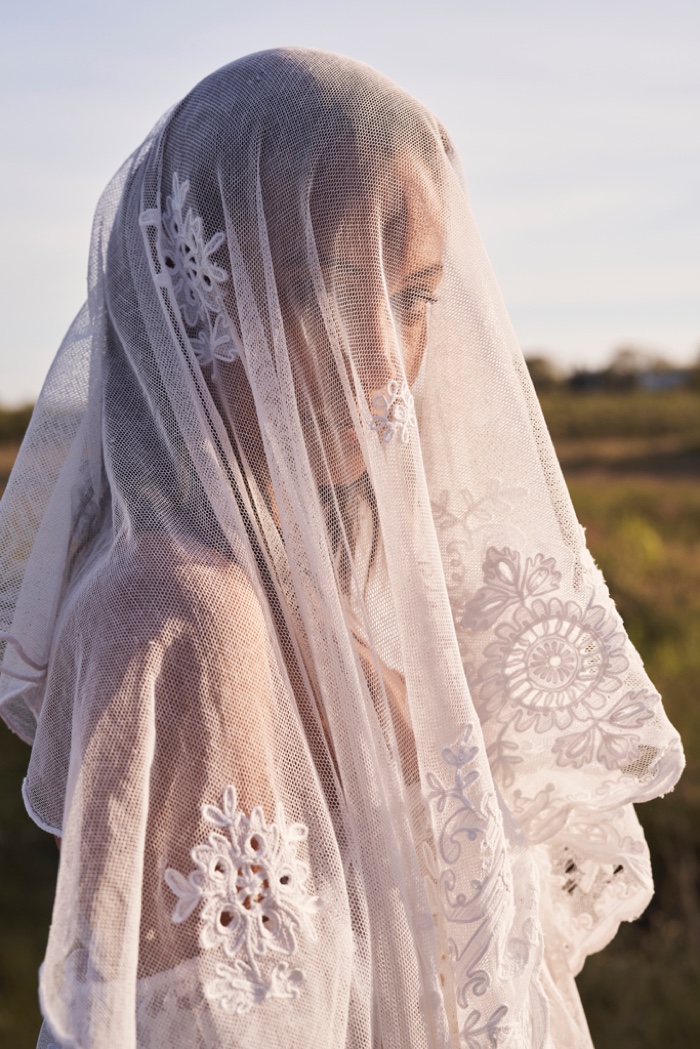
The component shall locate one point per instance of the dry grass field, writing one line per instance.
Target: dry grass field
(633, 465)
(638, 494)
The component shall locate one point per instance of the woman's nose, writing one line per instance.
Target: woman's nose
(381, 359)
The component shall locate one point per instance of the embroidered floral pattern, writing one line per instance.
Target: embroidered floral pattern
(255, 902)
(393, 412)
(187, 265)
(508, 582)
(459, 517)
(478, 1035)
(552, 662)
(465, 511)
(557, 686)
(464, 819)
(606, 740)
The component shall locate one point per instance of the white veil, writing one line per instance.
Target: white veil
(328, 702)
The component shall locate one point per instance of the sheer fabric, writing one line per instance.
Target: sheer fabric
(327, 700)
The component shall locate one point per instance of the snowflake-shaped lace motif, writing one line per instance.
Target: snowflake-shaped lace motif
(187, 265)
(393, 412)
(252, 885)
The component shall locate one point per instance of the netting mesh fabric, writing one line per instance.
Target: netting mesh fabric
(327, 700)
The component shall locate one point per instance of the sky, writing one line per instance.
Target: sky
(578, 126)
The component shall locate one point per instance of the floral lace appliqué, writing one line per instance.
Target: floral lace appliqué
(459, 518)
(186, 261)
(255, 902)
(393, 412)
(553, 664)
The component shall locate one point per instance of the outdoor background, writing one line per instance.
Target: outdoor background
(630, 448)
(577, 123)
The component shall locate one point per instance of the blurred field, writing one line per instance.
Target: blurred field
(636, 489)
(632, 460)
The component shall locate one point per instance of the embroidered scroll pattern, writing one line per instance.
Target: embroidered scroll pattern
(470, 914)
(460, 517)
(252, 885)
(186, 260)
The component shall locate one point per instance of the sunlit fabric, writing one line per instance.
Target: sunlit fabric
(327, 700)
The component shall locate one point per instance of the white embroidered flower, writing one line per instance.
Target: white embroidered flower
(255, 902)
(187, 266)
(393, 412)
(216, 341)
(187, 257)
(554, 662)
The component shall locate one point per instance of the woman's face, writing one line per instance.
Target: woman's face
(381, 269)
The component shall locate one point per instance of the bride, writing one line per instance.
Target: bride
(328, 703)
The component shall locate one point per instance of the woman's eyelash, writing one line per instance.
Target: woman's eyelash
(408, 300)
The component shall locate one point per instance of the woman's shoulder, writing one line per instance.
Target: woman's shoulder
(153, 582)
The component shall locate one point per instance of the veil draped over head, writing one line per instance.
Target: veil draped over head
(327, 700)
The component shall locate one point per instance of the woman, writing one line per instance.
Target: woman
(329, 705)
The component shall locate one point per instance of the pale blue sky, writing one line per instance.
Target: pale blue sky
(578, 125)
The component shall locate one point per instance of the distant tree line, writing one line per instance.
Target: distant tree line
(13, 422)
(629, 369)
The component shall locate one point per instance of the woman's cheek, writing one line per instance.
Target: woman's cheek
(414, 338)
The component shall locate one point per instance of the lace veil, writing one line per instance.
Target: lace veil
(327, 700)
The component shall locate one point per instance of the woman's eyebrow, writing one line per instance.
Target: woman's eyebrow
(325, 263)
(298, 265)
(428, 271)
